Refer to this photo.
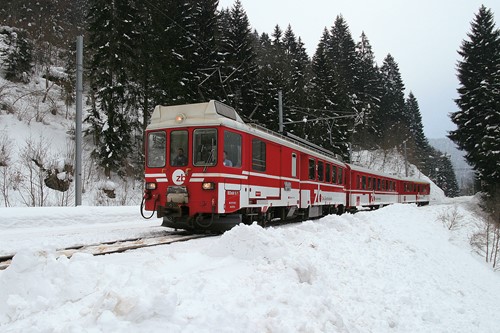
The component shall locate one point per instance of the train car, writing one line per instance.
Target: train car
(208, 170)
(370, 189)
(414, 191)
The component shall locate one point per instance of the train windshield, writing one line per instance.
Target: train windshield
(157, 144)
(205, 147)
(179, 148)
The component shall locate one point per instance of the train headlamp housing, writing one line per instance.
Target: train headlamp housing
(179, 119)
(150, 186)
(208, 185)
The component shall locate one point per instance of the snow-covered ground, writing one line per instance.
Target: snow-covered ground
(397, 269)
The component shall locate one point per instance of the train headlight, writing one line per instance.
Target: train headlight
(180, 118)
(150, 186)
(208, 185)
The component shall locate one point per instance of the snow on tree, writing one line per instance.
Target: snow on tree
(478, 117)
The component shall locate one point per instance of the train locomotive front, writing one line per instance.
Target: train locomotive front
(191, 170)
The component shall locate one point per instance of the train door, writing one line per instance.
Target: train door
(231, 163)
(257, 167)
(290, 189)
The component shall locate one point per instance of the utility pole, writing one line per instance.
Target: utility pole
(78, 126)
(280, 107)
(406, 160)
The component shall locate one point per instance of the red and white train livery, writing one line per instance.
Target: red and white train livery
(208, 170)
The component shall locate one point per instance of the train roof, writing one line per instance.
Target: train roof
(415, 180)
(386, 175)
(208, 113)
(371, 171)
(214, 113)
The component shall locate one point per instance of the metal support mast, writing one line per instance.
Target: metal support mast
(280, 107)
(78, 127)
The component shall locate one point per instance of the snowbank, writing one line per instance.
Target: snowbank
(396, 269)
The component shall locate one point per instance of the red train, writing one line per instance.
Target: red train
(208, 170)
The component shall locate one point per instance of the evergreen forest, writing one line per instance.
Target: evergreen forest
(138, 54)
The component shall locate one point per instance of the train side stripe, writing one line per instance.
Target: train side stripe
(153, 175)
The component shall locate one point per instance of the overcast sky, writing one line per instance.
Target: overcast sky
(423, 37)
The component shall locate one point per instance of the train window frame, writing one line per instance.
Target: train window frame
(178, 142)
(294, 165)
(258, 155)
(157, 158)
(321, 171)
(232, 147)
(203, 154)
(312, 169)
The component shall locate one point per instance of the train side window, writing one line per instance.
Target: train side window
(205, 146)
(358, 182)
(341, 176)
(157, 147)
(232, 148)
(369, 183)
(363, 182)
(378, 184)
(334, 174)
(178, 148)
(294, 165)
(312, 169)
(320, 171)
(327, 173)
(258, 155)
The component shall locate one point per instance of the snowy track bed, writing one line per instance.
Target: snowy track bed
(117, 246)
(396, 269)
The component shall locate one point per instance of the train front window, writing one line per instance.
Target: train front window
(178, 148)
(157, 145)
(205, 147)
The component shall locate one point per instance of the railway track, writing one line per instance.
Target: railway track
(117, 246)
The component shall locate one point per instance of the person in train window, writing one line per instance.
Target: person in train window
(227, 161)
(180, 159)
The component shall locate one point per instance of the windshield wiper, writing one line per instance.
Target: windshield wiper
(209, 159)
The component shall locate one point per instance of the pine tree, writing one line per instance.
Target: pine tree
(440, 170)
(18, 55)
(283, 66)
(265, 61)
(389, 121)
(111, 41)
(202, 53)
(297, 76)
(240, 72)
(321, 92)
(417, 144)
(478, 118)
(368, 90)
(333, 87)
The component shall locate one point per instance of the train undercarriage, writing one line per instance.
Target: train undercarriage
(213, 222)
